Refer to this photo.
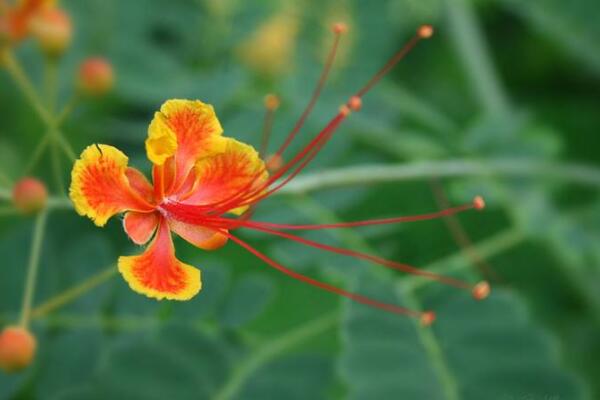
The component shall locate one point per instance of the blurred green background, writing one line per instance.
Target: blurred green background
(510, 89)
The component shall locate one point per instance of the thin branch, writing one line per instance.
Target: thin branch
(32, 269)
(74, 292)
(270, 350)
(371, 174)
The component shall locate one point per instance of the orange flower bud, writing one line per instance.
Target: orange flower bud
(30, 195)
(52, 29)
(17, 348)
(96, 76)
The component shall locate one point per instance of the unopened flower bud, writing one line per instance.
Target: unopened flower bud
(17, 348)
(96, 76)
(30, 195)
(274, 162)
(53, 30)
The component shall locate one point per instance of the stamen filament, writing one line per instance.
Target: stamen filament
(317, 92)
(368, 257)
(380, 221)
(423, 316)
(424, 32)
(271, 105)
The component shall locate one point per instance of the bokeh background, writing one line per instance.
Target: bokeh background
(507, 90)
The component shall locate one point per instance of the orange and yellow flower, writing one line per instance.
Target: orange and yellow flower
(42, 19)
(204, 186)
(194, 165)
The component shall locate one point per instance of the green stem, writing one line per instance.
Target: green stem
(74, 292)
(32, 269)
(497, 244)
(468, 40)
(19, 76)
(64, 145)
(51, 84)
(426, 335)
(5, 179)
(371, 174)
(270, 350)
(434, 352)
(56, 168)
(8, 211)
(37, 153)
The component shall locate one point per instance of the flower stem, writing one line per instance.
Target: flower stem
(37, 154)
(74, 292)
(470, 44)
(271, 349)
(19, 76)
(371, 174)
(33, 266)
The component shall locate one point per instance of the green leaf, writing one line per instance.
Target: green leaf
(572, 24)
(475, 350)
(249, 296)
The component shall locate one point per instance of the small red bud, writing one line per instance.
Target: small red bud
(274, 162)
(355, 103)
(30, 195)
(427, 318)
(52, 29)
(272, 102)
(425, 31)
(96, 76)
(17, 348)
(478, 203)
(340, 28)
(481, 290)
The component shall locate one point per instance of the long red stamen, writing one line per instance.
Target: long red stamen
(424, 32)
(380, 221)
(247, 196)
(368, 257)
(355, 102)
(271, 105)
(460, 236)
(338, 30)
(426, 318)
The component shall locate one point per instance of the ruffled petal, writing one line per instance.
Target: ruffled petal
(157, 273)
(140, 184)
(19, 16)
(204, 238)
(187, 130)
(99, 185)
(223, 176)
(140, 226)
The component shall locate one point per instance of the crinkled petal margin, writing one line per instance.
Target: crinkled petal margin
(223, 176)
(157, 274)
(186, 130)
(99, 185)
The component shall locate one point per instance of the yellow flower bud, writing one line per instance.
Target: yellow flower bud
(53, 30)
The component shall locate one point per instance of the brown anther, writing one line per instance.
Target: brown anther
(425, 31)
(271, 102)
(481, 290)
(340, 28)
(274, 162)
(478, 203)
(345, 110)
(355, 103)
(427, 318)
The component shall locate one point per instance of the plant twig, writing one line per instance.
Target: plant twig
(270, 350)
(74, 292)
(33, 266)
